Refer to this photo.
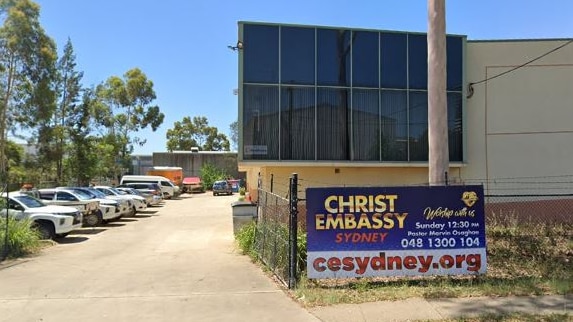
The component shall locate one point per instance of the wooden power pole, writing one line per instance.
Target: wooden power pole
(437, 99)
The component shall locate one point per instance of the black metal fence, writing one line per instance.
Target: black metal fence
(276, 237)
(280, 240)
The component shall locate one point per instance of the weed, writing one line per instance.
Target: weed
(22, 239)
(246, 239)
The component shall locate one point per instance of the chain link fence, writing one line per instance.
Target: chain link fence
(530, 205)
(272, 236)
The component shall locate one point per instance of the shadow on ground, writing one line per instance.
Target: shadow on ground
(89, 231)
(126, 220)
(114, 225)
(148, 212)
(71, 240)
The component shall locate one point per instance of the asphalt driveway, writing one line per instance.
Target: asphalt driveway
(176, 262)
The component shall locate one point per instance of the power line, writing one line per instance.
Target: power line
(470, 85)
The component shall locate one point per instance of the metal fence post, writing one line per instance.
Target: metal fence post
(5, 249)
(293, 225)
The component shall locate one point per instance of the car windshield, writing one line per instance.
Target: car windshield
(134, 192)
(82, 195)
(30, 202)
(84, 191)
(117, 192)
(97, 193)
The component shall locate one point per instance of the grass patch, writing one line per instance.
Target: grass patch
(523, 259)
(22, 239)
(245, 239)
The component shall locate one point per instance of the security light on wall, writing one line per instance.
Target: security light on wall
(239, 46)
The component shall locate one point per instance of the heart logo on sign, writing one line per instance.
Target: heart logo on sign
(469, 198)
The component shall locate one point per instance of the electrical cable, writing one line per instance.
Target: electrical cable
(470, 85)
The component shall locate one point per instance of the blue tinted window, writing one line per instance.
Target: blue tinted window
(454, 62)
(393, 60)
(333, 129)
(455, 132)
(394, 122)
(297, 55)
(365, 59)
(260, 54)
(297, 123)
(260, 122)
(418, 114)
(365, 125)
(333, 61)
(418, 61)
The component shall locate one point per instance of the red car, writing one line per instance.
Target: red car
(192, 184)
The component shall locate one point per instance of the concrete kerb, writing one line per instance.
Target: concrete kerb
(414, 309)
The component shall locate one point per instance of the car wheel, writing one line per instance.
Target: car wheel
(94, 219)
(45, 229)
(132, 212)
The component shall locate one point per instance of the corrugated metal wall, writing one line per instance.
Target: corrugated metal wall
(191, 162)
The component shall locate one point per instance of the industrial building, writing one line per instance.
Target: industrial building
(348, 107)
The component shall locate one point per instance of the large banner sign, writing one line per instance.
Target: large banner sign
(395, 231)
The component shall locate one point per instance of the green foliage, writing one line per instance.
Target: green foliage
(124, 107)
(68, 90)
(301, 250)
(242, 191)
(523, 259)
(22, 239)
(195, 132)
(210, 173)
(246, 239)
(27, 68)
(84, 156)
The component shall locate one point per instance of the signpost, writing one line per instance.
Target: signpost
(395, 231)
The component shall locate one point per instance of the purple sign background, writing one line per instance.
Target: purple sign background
(394, 218)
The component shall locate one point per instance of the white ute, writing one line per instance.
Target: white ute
(138, 202)
(51, 221)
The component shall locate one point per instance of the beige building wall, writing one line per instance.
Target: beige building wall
(335, 175)
(519, 124)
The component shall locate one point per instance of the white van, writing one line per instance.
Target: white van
(168, 188)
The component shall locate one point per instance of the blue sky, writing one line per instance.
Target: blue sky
(181, 45)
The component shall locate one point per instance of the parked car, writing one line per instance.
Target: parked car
(169, 189)
(92, 216)
(111, 209)
(150, 199)
(222, 187)
(192, 184)
(137, 202)
(146, 188)
(50, 221)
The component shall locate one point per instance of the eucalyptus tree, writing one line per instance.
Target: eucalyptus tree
(27, 69)
(195, 132)
(234, 128)
(128, 108)
(85, 155)
(68, 91)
